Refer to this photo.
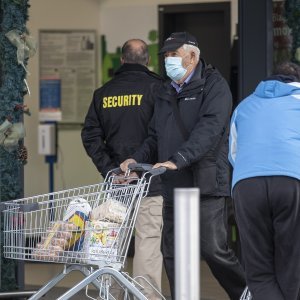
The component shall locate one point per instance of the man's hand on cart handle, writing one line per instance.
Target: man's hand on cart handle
(127, 176)
(124, 165)
(167, 164)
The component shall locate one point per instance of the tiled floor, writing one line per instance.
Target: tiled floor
(210, 289)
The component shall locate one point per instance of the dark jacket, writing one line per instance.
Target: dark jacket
(204, 106)
(117, 121)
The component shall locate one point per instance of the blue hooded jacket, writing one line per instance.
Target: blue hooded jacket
(265, 132)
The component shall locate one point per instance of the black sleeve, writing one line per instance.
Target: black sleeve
(210, 126)
(93, 139)
(147, 153)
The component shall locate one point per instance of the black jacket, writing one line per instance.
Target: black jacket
(204, 106)
(117, 121)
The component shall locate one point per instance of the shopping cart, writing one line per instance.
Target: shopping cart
(58, 228)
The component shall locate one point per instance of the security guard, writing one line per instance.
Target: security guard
(115, 126)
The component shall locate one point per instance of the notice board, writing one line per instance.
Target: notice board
(69, 56)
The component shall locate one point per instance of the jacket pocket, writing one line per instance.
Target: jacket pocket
(205, 176)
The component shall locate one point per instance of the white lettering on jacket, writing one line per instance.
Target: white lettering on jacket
(189, 98)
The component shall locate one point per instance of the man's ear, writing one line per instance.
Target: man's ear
(193, 57)
(122, 60)
(148, 62)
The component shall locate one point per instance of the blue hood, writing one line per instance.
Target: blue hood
(274, 88)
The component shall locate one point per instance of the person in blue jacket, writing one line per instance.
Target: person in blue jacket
(264, 150)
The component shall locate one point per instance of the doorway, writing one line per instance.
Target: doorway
(210, 23)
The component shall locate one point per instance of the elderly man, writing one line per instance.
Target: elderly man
(189, 134)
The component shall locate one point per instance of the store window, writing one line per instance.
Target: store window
(286, 30)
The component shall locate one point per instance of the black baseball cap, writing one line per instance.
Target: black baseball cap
(176, 40)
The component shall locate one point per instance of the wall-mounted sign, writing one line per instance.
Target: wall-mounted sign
(70, 57)
(50, 99)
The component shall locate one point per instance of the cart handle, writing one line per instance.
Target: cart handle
(140, 167)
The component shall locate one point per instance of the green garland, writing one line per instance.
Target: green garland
(13, 15)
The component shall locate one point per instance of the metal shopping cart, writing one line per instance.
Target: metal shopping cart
(57, 228)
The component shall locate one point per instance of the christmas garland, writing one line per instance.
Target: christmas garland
(13, 15)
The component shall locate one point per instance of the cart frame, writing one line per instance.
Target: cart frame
(28, 220)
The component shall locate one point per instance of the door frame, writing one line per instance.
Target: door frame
(255, 43)
(169, 9)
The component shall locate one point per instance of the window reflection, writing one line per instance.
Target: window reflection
(286, 30)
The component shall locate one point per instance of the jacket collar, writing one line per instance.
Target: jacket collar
(131, 67)
(136, 68)
(199, 71)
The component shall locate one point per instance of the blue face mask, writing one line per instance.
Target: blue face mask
(174, 68)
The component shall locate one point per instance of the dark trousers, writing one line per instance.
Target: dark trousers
(214, 248)
(268, 217)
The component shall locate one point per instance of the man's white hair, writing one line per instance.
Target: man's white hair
(189, 48)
